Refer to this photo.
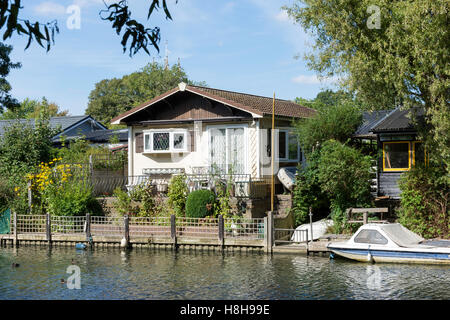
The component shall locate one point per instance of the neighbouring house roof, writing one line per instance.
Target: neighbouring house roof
(370, 119)
(258, 106)
(399, 121)
(66, 125)
(103, 136)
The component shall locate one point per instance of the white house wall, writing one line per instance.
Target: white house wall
(198, 158)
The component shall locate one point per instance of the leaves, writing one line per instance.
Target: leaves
(136, 36)
(403, 63)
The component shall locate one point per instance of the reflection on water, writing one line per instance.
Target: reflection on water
(154, 274)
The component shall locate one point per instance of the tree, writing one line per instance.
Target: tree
(337, 122)
(31, 109)
(330, 98)
(392, 53)
(112, 97)
(6, 101)
(134, 34)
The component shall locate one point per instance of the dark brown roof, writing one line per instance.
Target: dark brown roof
(258, 105)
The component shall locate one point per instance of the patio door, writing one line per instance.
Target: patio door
(227, 149)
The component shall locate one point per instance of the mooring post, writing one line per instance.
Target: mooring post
(221, 232)
(270, 232)
(173, 231)
(88, 227)
(365, 217)
(126, 221)
(48, 228)
(310, 222)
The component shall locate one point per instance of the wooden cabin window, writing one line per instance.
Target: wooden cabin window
(419, 153)
(396, 156)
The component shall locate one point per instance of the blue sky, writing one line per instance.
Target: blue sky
(243, 45)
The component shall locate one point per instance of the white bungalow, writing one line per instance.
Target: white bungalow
(199, 130)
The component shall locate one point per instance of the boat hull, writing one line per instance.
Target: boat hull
(393, 256)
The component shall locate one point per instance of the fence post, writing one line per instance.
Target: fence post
(15, 229)
(173, 231)
(221, 232)
(365, 218)
(88, 226)
(48, 228)
(126, 221)
(30, 196)
(270, 231)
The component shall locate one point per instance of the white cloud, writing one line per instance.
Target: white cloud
(314, 79)
(50, 9)
(282, 16)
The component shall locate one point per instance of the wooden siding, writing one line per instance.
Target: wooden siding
(388, 184)
(187, 106)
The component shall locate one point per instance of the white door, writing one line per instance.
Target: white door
(227, 149)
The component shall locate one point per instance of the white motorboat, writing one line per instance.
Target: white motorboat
(391, 243)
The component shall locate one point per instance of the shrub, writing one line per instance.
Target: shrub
(344, 173)
(307, 192)
(177, 193)
(424, 202)
(75, 198)
(199, 203)
(123, 203)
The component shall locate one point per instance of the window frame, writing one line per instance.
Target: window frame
(244, 126)
(287, 132)
(385, 241)
(171, 132)
(425, 156)
(384, 157)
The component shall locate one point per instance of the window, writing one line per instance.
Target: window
(227, 149)
(288, 146)
(370, 236)
(163, 141)
(419, 153)
(396, 156)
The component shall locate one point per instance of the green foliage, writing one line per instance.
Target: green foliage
(328, 98)
(31, 109)
(337, 122)
(401, 62)
(307, 192)
(74, 199)
(177, 193)
(124, 203)
(141, 201)
(199, 203)
(344, 174)
(116, 12)
(6, 100)
(112, 97)
(424, 202)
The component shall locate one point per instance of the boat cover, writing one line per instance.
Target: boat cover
(286, 175)
(400, 235)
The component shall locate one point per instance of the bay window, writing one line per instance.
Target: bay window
(165, 141)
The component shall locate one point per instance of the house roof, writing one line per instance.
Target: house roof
(399, 120)
(370, 119)
(258, 106)
(63, 123)
(106, 135)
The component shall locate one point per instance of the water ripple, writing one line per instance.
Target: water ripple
(153, 274)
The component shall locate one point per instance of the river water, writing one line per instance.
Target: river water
(154, 274)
